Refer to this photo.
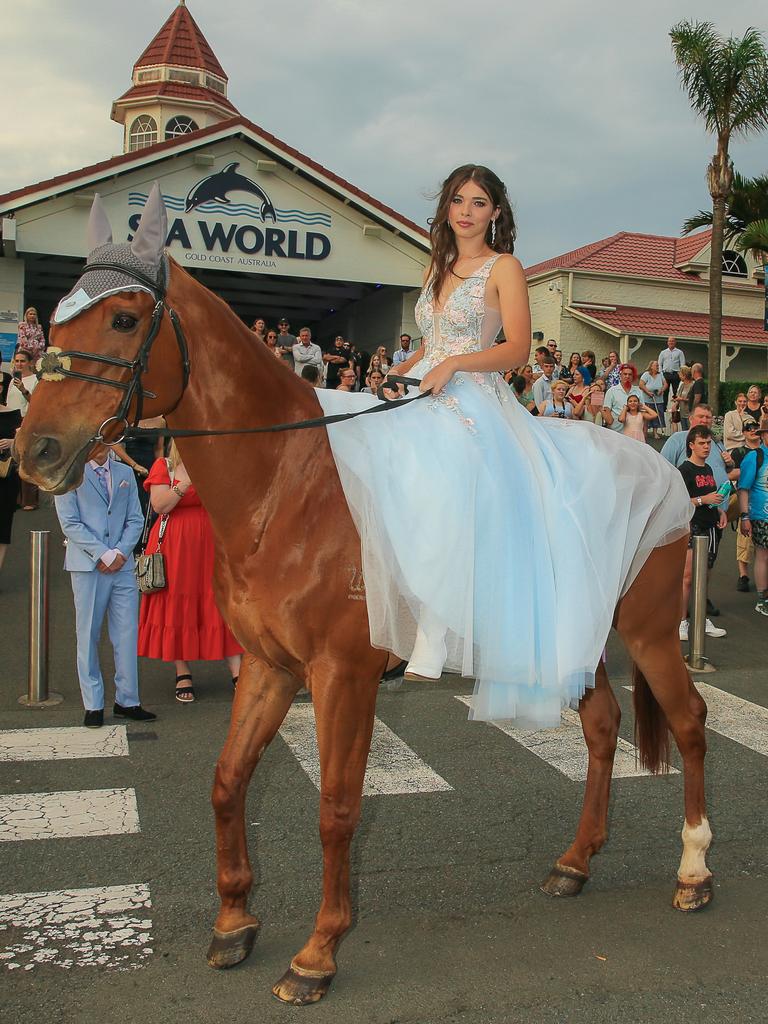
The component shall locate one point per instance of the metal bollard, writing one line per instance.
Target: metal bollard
(697, 662)
(37, 695)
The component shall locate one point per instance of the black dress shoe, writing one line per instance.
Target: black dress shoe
(743, 584)
(94, 719)
(137, 713)
(711, 610)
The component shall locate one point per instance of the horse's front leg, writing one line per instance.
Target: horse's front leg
(344, 714)
(600, 719)
(261, 702)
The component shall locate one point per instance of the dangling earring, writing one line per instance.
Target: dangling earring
(493, 232)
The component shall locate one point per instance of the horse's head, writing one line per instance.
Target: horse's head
(90, 374)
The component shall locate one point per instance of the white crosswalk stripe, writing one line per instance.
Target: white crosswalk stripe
(564, 748)
(108, 926)
(393, 768)
(77, 814)
(62, 744)
(735, 718)
(103, 927)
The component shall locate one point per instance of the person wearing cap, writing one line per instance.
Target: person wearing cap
(616, 396)
(335, 359)
(285, 340)
(753, 507)
(745, 550)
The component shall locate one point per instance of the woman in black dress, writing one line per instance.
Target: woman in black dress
(10, 421)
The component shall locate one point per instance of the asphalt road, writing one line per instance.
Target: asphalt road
(449, 923)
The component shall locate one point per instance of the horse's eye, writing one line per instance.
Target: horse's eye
(124, 322)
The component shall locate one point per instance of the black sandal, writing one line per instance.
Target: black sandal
(184, 694)
(395, 672)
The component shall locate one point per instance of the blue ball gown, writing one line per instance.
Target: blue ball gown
(518, 534)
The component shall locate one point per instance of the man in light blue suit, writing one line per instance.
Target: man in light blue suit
(102, 523)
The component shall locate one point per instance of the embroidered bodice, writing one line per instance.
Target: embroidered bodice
(464, 324)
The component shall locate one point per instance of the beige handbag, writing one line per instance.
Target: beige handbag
(150, 569)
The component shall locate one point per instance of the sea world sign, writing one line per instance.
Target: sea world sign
(257, 239)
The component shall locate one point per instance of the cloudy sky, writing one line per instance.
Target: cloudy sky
(575, 105)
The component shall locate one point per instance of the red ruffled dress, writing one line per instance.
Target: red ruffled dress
(182, 622)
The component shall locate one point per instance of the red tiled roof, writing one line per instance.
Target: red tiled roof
(688, 247)
(113, 165)
(664, 323)
(181, 42)
(175, 90)
(626, 253)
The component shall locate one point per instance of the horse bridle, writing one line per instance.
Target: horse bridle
(133, 388)
(138, 366)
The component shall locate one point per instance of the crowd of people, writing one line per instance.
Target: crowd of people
(102, 521)
(647, 405)
(341, 366)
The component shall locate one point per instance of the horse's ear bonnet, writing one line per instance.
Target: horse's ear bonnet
(145, 254)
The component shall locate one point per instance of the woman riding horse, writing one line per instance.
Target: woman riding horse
(282, 578)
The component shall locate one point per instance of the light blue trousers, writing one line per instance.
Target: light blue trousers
(116, 596)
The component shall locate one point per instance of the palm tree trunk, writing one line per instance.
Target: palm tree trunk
(720, 181)
(715, 304)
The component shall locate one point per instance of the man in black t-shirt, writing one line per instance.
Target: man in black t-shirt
(335, 359)
(707, 518)
(698, 391)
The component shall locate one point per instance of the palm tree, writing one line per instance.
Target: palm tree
(747, 203)
(727, 84)
(754, 239)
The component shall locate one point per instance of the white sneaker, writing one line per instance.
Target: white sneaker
(683, 633)
(712, 630)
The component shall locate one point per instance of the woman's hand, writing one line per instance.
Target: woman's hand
(439, 376)
(5, 444)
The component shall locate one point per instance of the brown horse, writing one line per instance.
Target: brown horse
(283, 583)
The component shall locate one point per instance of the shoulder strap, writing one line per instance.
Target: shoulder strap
(760, 458)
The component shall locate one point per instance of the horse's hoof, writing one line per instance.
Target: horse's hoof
(564, 881)
(299, 987)
(230, 948)
(690, 896)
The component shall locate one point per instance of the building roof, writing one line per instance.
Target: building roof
(176, 90)
(234, 126)
(664, 323)
(181, 43)
(630, 254)
(690, 246)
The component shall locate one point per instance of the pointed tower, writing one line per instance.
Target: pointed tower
(178, 86)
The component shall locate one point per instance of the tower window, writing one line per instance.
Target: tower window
(734, 263)
(179, 125)
(143, 133)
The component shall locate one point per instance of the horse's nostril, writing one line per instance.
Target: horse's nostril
(45, 449)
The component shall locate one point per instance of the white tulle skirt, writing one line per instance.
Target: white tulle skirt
(519, 533)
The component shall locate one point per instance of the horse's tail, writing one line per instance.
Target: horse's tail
(651, 727)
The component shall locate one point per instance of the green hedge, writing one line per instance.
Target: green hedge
(730, 388)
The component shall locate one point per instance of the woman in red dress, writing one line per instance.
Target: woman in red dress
(182, 623)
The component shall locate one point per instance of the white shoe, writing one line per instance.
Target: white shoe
(429, 651)
(683, 632)
(712, 630)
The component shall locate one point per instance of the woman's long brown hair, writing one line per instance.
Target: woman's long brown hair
(444, 251)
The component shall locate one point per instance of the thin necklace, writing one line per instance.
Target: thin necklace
(460, 277)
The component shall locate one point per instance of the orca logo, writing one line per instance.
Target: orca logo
(217, 186)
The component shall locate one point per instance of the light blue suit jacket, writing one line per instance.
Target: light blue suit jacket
(93, 526)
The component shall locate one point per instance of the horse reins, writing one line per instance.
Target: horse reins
(134, 387)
